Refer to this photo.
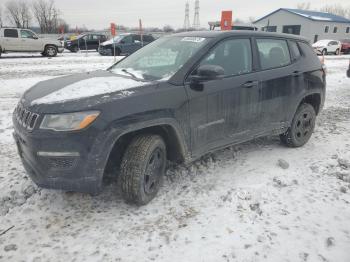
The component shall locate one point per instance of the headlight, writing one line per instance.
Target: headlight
(69, 121)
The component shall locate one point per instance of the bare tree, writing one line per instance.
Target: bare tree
(47, 15)
(18, 13)
(336, 9)
(1, 17)
(304, 6)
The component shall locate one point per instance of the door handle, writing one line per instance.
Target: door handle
(250, 84)
(296, 73)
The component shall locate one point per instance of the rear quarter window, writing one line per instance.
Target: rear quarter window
(273, 53)
(11, 33)
(294, 49)
(309, 53)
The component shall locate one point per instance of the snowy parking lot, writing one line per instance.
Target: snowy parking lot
(258, 201)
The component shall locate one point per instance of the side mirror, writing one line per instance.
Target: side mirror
(208, 72)
(137, 42)
(35, 37)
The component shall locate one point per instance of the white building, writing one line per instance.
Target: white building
(310, 24)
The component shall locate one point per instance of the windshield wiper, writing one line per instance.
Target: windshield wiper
(131, 74)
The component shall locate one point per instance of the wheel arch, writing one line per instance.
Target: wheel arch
(313, 99)
(174, 141)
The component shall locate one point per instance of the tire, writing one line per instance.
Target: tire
(336, 52)
(324, 52)
(74, 49)
(50, 51)
(0, 52)
(302, 127)
(142, 169)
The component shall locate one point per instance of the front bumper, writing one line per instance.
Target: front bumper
(70, 162)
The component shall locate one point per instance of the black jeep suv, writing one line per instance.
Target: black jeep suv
(176, 99)
(89, 41)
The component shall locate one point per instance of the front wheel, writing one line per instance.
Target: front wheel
(324, 52)
(142, 169)
(302, 127)
(50, 51)
(337, 52)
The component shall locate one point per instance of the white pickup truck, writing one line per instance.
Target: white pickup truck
(25, 40)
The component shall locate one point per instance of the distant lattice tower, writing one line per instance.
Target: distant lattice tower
(196, 24)
(187, 16)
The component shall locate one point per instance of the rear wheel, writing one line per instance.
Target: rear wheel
(324, 51)
(74, 49)
(50, 51)
(302, 127)
(142, 169)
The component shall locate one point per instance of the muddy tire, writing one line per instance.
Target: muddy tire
(302, 127)
(142, 169)
(50, 51)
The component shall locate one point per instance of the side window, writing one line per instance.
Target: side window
(95, 37)
(273, 53)
(137, 38)
(234, 56)
(309, 52)
(26, 34)
(11, 33)
(294, 49)
(148, 38)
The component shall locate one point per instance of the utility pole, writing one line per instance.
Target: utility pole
(196, 24)
(187, 17)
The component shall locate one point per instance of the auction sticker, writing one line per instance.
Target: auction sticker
(193, 39)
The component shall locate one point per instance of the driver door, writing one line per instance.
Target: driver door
(226, 110)
(29, 41)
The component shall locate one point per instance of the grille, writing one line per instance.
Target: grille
(63, 162)
(26, 118)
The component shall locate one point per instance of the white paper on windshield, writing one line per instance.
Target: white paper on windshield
(193, 39)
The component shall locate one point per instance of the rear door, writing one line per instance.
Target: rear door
(94, 41)
(11, 40)
(226, 110)
(279, 80)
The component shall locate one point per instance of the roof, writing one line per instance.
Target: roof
(213, 34)
(311, 15)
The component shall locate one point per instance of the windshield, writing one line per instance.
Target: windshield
(161, 59)
(117, 38)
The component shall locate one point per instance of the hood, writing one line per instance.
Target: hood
(80, 86)
(109, 42)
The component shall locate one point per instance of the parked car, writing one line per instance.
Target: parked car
(345, 46)
(89, 41)
(176, 99)
(25, 40)
(325, 47)
(124, 44)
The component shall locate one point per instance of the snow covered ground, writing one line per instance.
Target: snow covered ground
(243, 203)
